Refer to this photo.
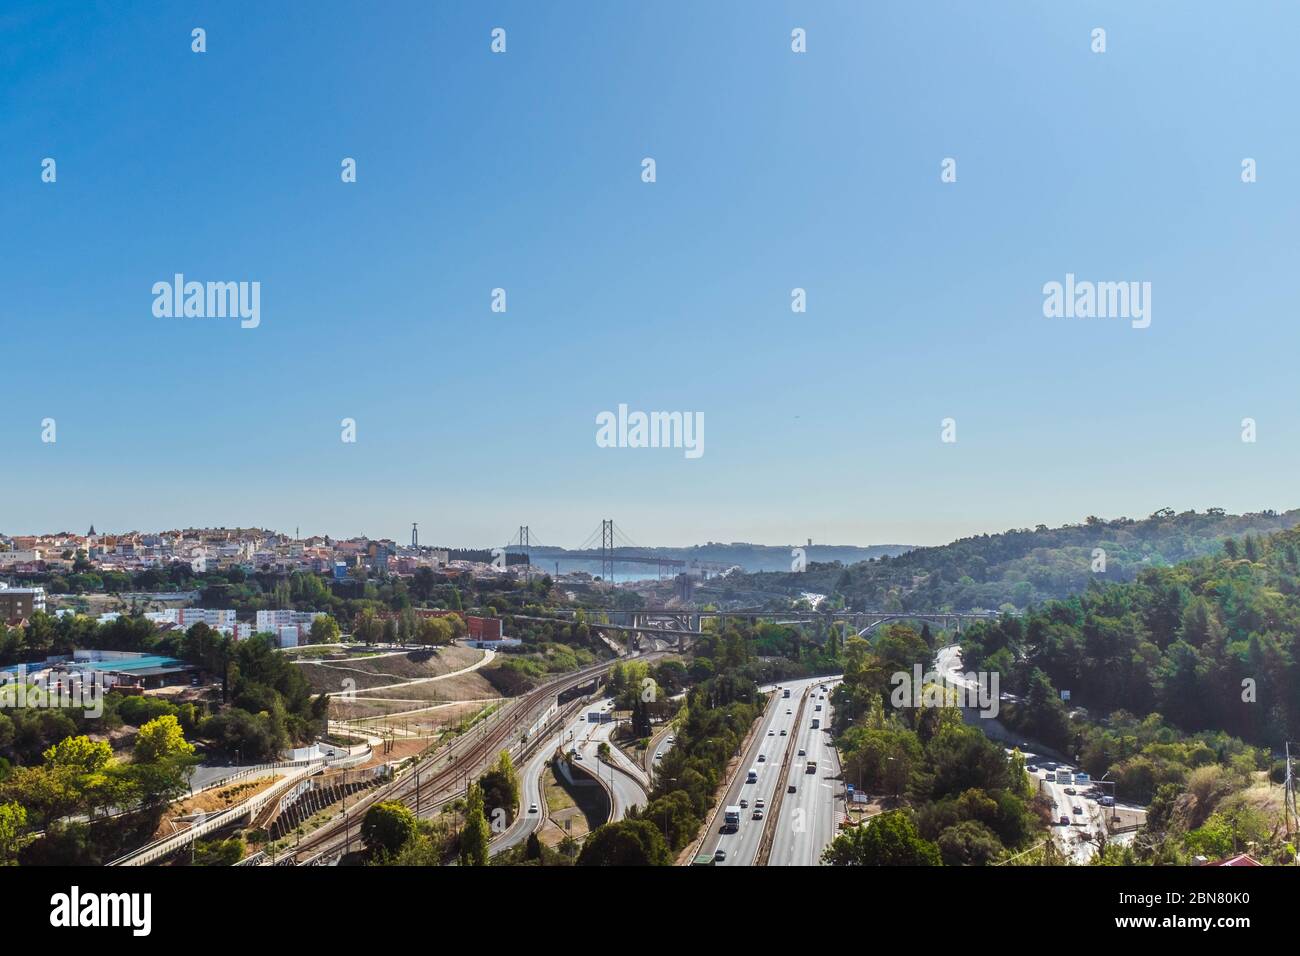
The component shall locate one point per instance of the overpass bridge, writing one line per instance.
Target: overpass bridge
(685, 624)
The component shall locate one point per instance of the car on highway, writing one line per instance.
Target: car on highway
(1065, 821)
(1078, 810)
(670, 738)
(658, 754)
(532, 808)
(762, 758)
(789, 712)
(771, 733)
(1070, 791)
(757, 814)
(782, 733)
(719, 854)
(802, 752)
(744, 804)
(790, 789)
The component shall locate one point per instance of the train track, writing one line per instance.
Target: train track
(465, 757)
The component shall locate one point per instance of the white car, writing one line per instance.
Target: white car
(658, 754)
(532, 808)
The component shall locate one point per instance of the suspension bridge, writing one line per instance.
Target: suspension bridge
(609, 545)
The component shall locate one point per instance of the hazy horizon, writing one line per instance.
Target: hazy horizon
(428, 537)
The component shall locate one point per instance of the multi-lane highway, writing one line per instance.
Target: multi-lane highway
(777, 733)
(807, 824)
(1078, 838)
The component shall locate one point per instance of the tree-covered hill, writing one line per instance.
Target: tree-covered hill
(1212, 644)
(1022, 567)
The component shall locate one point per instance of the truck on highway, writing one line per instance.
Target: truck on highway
(731, 819)
(786, 692)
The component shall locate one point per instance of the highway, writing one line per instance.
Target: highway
(1076, 839)
(742, 847)
(578, 733)
(530, 783)
(808, 820)
(625, 779)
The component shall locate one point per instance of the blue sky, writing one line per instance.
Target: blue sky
(775, 170)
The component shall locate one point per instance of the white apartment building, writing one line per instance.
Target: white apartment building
(270, 621)
(184, 617)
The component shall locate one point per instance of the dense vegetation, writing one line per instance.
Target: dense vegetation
(957, 797)
(1209, 646)
(1022, 567)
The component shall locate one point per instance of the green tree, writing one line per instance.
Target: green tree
(325, 630)
(13, 823)
(162, 739)
(474, 835)
(533, 848)
(435, 631)
(388, 826)
(890, 839)
(80, 754)
(625, 843)
(500, 786)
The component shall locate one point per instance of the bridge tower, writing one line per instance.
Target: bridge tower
(607, 549)
(525, 545)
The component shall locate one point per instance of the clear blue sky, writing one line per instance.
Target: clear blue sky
(522, 171)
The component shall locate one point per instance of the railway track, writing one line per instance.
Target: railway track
(460, 761)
